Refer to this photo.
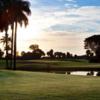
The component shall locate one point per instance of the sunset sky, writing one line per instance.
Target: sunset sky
(60, 24)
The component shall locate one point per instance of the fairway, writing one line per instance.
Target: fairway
(54, 65)
(57, 65)
(18, 85)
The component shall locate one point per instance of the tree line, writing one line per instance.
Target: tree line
(91, 44)
(37, 53)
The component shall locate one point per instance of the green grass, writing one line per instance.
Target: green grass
(61, 63)
(53, 65)
(56, 64)
(17, 85)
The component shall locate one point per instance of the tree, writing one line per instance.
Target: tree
(21, 10)
(88, 53)
(7, 48)
(59, 55)
(92, 43)
(37, 54)
(16, 12)
(34, 47)
(69, 55)
(4, 23)
(19, 15)
(1, 53)
(75, 56)
(50, 53)
(22, 53)
(12, 12)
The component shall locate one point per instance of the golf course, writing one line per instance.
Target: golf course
(31, 85)
(49, 49)
(21, 85)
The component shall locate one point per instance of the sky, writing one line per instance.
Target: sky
(61, 25)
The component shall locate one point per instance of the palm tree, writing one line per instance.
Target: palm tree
(1, 54)
(13, 12)
(6, 40)
(4, 26)
(3, 40)
(20, 12)
(16, 12)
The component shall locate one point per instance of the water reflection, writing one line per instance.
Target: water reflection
(84, 73)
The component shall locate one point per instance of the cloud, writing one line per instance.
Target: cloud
(83, 19)
(75, 19)
(69, 0)
(64, 22)
(58, 15)
(71, 5)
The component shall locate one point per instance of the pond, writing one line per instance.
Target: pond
(84, 73)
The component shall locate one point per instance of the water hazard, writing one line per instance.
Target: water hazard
(84, 73)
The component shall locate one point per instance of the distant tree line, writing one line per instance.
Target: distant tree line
(91, 44)
(37, 53)
(59, 55)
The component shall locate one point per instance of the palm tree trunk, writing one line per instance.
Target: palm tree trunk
(6, 35)
(15, 45)
(12, 46)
